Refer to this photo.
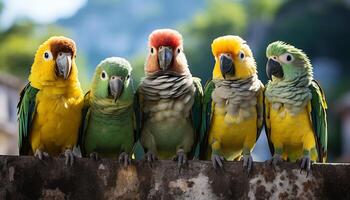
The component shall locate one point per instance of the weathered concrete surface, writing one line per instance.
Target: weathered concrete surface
(29, 178)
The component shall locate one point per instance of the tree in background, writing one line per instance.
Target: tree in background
(19, 43)
(220, 18)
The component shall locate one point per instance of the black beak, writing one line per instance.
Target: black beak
(63, 64)
(226, 65)
(274, 68)
(116, 86)
(165, 56)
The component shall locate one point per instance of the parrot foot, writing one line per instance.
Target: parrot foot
(124, 158)
(95, 156)
(277, 158)
(305, 164)
(150, 157)
(248, 162)
(41, 154)
(217, 161)
(68, 154)
(181, 158)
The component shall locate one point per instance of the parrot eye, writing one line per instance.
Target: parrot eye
(152, 50)
(127, 77)
(47, 55)
(241, 55)
(104, 75)
(178, 50)
(287, 58)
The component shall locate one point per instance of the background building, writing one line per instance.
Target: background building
(10, 87)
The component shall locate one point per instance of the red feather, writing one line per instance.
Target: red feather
(165, 37)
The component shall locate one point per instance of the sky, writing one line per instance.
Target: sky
(40, 11)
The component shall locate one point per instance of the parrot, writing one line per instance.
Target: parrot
(232, 104)
(169, 100)
(295, 108)
(49, 109)
(108, 120)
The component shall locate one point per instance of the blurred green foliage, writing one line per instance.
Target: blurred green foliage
(18, 46)
(220, 18)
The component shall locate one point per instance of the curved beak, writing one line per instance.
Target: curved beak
(274, 68)
(116, 86)
(165, 57)
(226, 65)
(63, 64)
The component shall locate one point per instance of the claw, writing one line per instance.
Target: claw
(41, 154)
(181, 158)
(69, 157)
(305, 164)
(275, 160)
(95, 156)
(124, 158)
(217, 160)
(247, 162)
(150, 157)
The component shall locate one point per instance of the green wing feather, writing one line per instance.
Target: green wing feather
(319, 119)
(267, 123)
(206, 119)
(196, 113)
(85, 117)
(25, 113)
(138, 150)
(260, 111)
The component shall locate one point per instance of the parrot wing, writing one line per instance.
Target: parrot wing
(196, 113)
(260, 110)
(85, 117)
(267, 122)
(206, 119)
(138, 150)
(25, 113)
(319, 119)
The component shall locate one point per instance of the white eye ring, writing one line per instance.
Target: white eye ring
(286, 58)
(241, 55)
(104, 75)
(47, 55)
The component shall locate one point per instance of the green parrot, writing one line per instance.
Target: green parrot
(295, 108)
(170, 100)
(108, 126)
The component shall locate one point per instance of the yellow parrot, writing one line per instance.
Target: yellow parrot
(49, 110)
(232, 104)
(295, 108)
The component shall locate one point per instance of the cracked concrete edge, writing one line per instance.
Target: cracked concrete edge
(28, 178)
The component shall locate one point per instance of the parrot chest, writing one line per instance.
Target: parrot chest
(169, 122)
(109, 136)
(232, 135)
(167, 102)
(168, 109)
(289, 128)
(56, 122)
(236, 100)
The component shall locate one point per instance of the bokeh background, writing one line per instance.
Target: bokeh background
(104, 28)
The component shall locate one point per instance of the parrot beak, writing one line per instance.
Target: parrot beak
(116, 86)
(63, 64)
(165, 56)
(274, 68)
(226, 65)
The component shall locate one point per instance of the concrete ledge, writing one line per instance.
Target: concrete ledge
(28, 178)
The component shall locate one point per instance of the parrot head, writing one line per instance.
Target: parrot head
(233, 58)
(285, 62)
(165, 53)
(54, 61)
(112, 80)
